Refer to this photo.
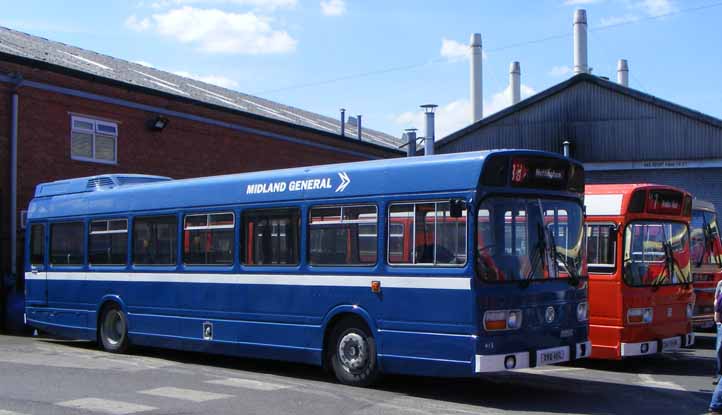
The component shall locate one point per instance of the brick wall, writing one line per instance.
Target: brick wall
(183, 149)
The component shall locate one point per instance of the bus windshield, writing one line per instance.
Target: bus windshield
(520, 238)
(656, 253)
(704, 239)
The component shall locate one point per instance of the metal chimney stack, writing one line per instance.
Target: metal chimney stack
(477, 99)
(580, 42)
(410, 135)
(623, 72)
(358, 126)
(429, 133)
(343, 122)
(515, 82)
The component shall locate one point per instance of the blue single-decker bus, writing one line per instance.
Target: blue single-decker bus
(446, 265)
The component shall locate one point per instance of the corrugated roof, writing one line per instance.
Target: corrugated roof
(56, 53)
(605, 83)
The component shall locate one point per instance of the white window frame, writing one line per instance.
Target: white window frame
(95, 123)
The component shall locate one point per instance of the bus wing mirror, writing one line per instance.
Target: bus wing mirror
(456, 208)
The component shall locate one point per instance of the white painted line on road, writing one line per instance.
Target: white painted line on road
(185, 394)
(248, 384)
(106, 406)
(648, 380)
(4, 412)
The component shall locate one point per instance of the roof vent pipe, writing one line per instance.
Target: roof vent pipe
(410, 135)
(429, 133)
(477, 99)
(343, 122)
(566, 148)
(623, 72)
(358, 126)
(515, 82)
(580, 42)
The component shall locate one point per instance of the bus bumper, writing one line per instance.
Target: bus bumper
(654, 346)
(521, 360)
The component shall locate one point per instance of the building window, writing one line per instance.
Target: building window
(66, 243)
(155, 240)
(343, 235)
(271, 236)
(435, 233)
(93, 140)
(108, 242)
(208, 239)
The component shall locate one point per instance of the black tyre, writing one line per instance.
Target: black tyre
(113, 326)
(353, 354)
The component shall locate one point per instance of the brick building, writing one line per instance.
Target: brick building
(79, 113)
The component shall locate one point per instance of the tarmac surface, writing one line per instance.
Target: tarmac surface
(46, 376)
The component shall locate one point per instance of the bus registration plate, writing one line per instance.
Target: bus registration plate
(551, 356)
(672, 343)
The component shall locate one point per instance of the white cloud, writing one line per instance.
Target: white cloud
(217, 80)
(256, 4)
(559, 71)
(656, 7)
(136, 24)
(578, 2)
(617, 20)
(333, 7)
(217, 31)
(456, 51)
(456, 114)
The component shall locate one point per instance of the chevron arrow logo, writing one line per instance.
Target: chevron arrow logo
(344, 182)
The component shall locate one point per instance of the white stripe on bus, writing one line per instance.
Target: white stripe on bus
(441, 283)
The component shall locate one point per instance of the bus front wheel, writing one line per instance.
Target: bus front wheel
(354, 354)
(114, 330)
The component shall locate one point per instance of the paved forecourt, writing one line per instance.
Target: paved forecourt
(43, 376)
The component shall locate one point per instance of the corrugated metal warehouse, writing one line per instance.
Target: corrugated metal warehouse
(620, 134)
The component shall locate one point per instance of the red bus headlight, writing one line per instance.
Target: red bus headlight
(640, 315)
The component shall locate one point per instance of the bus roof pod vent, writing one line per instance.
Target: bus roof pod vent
(94, 184)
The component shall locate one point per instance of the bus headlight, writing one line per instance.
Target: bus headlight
(690, 311)
(640, 315)
(495, 320)
(583, 311)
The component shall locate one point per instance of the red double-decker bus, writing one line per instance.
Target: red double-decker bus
(638, 251)
(706, 261)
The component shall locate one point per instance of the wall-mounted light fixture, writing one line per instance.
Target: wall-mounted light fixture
(158, 123)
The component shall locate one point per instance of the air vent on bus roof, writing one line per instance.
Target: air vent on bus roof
(94, 183)
(100, 181)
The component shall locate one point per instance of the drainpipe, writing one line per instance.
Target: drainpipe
(14, 180)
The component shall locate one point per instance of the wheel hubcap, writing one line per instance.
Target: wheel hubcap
(353, 352)
(114, 327)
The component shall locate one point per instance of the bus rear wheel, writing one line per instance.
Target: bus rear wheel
(353, 357)
(114, 330)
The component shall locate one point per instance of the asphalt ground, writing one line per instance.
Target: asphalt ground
(47, 376)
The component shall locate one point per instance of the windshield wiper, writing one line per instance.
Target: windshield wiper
(670, 262)
(538, 256)
(574, 278)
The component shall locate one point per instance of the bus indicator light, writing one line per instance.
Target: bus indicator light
(376, 287)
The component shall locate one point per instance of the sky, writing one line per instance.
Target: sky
(384, 58)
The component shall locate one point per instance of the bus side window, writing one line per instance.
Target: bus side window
(37, 245)
(436, 233)
(66, 243)
(601, 247)
(208, 239)
(271, 236)
(108, 242)
(155, 240)
(343, 235)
